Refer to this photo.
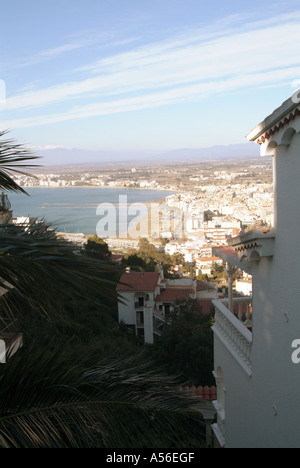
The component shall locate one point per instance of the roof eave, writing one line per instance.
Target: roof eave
(288, 106)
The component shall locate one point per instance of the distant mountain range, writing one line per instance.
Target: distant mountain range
(243, 150)
(73, 156)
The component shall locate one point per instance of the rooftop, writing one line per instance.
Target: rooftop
(138, 281)
(171, 295)
(204, 286)
(242, 250)
(288, 107)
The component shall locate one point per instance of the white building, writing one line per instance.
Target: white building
(147, 301)
(204, 265)
(258, 382)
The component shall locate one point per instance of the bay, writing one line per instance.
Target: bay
(73, 209)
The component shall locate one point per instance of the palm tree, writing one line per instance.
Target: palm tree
(34, 261)
(53, 394)
(14, 158)
(52, 399)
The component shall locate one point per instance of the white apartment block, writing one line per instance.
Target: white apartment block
(258, 382)
(147, 301)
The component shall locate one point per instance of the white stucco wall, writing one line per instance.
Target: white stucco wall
(126, 310)
(148, 325)
(264, 410)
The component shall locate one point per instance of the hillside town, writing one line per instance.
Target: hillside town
(232, 222)
(210, 201)
(209, 204)
(149, 227)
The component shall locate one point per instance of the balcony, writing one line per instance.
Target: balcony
(10, 336)
(241, 308)
(234, 329)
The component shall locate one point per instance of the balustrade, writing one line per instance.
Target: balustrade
(234, 333)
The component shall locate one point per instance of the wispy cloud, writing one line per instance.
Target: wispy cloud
(194, 92)
(75, 43)
(49, 147)
(191, 66)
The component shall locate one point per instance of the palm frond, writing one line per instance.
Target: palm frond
(51, 399)
(41, 268)
(14, 158)
(55, 396)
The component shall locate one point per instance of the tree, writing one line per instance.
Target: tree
(97, 248)
(135, 262)
(146, 250)
(12, 158)
(178, 258)
(186, 345)
(148, 259)
(57, 400)
(54, 393)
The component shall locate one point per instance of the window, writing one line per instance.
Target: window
(140, 317)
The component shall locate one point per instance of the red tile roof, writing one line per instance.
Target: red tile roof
(203, 393)
(207, 259)
(117, 258)
(204, 286)
(172, 295)
(277, 127)
(138, 281)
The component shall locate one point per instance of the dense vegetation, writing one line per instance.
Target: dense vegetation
(80, 380)
(147, 258)
(186, 346)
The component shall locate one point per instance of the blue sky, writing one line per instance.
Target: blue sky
(139, 75)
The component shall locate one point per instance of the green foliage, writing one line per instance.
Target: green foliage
(44, 271)
(186, 346)
(219, 271)
(63, 389)
(51, 399)
(147, 258)
(13, 158)
(97, 248)
(135, 262)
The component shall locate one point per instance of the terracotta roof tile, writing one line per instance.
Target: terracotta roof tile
(204, 286)
(203, 393)
(171, 295)
(138, 281)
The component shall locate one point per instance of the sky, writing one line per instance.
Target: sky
(144, 75)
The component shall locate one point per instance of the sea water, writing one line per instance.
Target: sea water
(74, 209)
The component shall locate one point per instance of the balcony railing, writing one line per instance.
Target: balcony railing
(159, 315)
(235, 334)
(242, 309)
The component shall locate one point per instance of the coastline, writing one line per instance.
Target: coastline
(151, 189)
(75, 215)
